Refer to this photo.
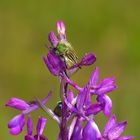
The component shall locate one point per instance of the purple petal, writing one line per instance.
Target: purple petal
(93, 109)
(94, 77)
(28, 137)
(70, 96)
(61, 29)
(126, 138)
(84, 99)
(53, 39)
(17, 103)
(29, 126)
(106, 104)
(77, 132)
(17, 120)
(54, 63)
(91, 131)
(116, 131)
(69, 105)
(104, 90)
(108, 81)
(16, 124)
(41, 125)
(110, 124)
(105, 86)
(88, 59)
(16, 130)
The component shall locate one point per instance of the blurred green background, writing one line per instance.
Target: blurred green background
(111, 29)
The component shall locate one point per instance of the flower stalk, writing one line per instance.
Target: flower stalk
(74, 114)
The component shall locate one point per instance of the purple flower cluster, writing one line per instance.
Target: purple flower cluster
(75, 115)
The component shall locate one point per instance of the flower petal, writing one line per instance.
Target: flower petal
(70, 96)
(94, 77)
(41, 125)
(16, 121)
(93, 109)
(116, 131)
(77, 132)
(106, 85)
(17, 103)
(110, 124)
(29, 126)
(53, 39)
(16, 130)
(69, 105)
(88, 59)
(61, 29)
(84, 99)
(91, 131)
(106, 104)
(54, 63)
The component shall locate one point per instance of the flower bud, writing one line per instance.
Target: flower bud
(29, 126)
(53, 39)
(17, 103)
(61, 30)
(88, 59)
(54, 63)
(16, 124)
(41, 125)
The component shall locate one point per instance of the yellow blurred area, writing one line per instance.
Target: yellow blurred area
(111, 29)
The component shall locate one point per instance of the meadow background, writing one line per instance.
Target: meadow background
(111, 29)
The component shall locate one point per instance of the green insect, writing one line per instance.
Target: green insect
(66, 52)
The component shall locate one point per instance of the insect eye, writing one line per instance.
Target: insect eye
(58, 109)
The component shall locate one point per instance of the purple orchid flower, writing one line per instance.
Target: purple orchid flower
(39, 129)
(17, 123)
(75, 115)
(105, 86)
(82, 103)
(113, 130)
(101, 89)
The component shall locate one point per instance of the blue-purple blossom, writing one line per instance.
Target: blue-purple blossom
(76, 118)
